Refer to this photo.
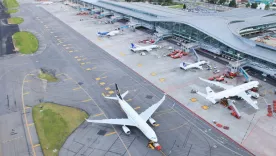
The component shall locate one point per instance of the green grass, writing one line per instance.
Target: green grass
(15, 20)
(48, 77)
(10, 4)
(176, 6)
(54, 123)
(10, 11)
(25, 42)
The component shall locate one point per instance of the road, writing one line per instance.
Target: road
(82, 64)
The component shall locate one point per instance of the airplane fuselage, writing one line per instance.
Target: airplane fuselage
(194, 65)
(232, 91)
(144, 48)
(140, 123)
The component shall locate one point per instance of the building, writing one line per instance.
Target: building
(227, 31)
(261, 1)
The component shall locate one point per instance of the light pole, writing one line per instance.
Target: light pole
(238, 55)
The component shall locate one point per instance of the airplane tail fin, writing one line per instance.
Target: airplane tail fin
(118, 94)
(133, 45)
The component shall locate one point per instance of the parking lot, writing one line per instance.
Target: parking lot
(164, 73)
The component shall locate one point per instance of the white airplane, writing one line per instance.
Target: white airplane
(148, 48)
(133, 118)
(186, 66)
(47, 3)
(111, 33)
(230, 91)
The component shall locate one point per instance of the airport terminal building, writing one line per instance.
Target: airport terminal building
(232, 33)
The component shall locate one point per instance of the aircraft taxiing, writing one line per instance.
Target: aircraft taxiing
(186, 66)
(148, 48)
(133, 118)
(230, 91)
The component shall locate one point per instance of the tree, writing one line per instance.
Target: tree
(248, 5)
(254, 5)
(233, 4)
(184, 6)
(222, 1)
(267, 7)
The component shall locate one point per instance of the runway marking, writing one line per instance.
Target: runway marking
(70, 51)
(139, 65)
(107, 88)
(162, 79)
(67, 48)
(82, 63)
(193, 99)
(110, 133)
(172, 129)
(128, 100)
(102, 83)
(78, 59)
(76, 88)
(137, 108)
(164, 113)
(86, 100)
(25, 116)
(64, 45)
(51, 32)
(67, 79)
(12, 139)
(98, 78)
(31, 124)
(26, 93)
(153, 74)
(122, 54)
(27, 81)
(56, 36)
(104, 77)
(26, 107)
(111, 92)
(98, 115)
(88, 69)
(36, 145)
(58, 74)
(156, 125)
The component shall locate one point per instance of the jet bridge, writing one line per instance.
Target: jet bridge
(104, 14)
(161, 34)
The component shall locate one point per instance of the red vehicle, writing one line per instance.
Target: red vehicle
(147, 41)
(220, 78)
(177, 54)
(211, 78)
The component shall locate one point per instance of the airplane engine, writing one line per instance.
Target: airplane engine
(152, 121)
(126, 130)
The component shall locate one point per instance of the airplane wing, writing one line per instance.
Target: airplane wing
(248, 99)
(148, 112)
(221, 85)
(126, 122)
(198, 66)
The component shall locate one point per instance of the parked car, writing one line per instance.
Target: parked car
(216, 71)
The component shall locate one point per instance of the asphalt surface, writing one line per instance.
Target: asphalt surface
(6, 31)
(181, 132)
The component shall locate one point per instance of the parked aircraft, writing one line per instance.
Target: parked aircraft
(148, 48)
(111, 33)
(230, 91)
(186, 66)
(133, 118)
